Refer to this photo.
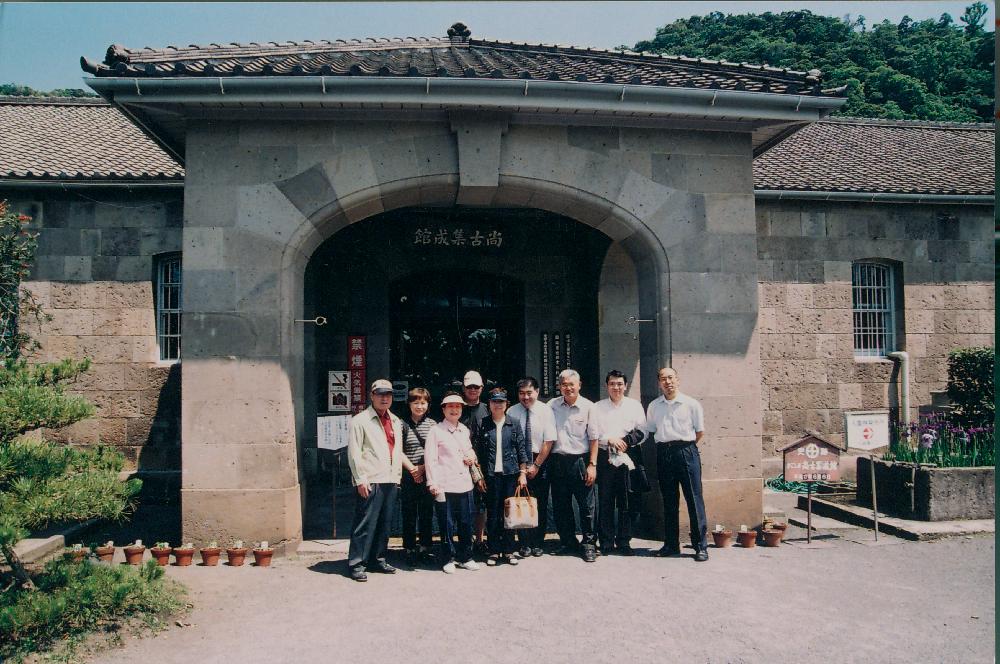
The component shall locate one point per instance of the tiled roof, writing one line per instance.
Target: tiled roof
(51, 138)
(456, 56)
(891, 156)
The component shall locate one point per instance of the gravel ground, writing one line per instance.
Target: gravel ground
(897, 602)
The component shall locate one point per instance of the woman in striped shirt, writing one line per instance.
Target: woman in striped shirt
(418, 503)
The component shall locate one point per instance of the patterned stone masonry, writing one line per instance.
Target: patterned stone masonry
(136, 396)
(809, 373)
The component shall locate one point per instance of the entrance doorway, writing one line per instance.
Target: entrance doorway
(446, 323)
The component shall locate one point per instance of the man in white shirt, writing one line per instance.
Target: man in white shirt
(623, 426)
(574, 466)
(677, 423)
(539, 426)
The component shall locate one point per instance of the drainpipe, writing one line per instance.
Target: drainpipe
(904, 369)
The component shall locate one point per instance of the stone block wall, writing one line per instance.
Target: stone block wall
(805, 250)
(93, 277)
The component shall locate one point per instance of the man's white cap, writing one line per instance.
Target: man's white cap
(452, 398)
(381, 386)
(472, 378)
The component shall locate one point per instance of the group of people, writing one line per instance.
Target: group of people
(463, 468)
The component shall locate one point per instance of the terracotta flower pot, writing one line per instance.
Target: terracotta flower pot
(133, 554)
(162, 555)
(76, 555)
(236, 556)
(262, 557)
(723, 538)
(210, 556)
(183, 557)
(747, 539)
(783, 527)
(772, 537)
(105, 553)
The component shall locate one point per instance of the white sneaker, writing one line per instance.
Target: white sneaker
(449, 568)
(471, 565)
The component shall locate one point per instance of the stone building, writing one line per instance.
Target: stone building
(467, 203)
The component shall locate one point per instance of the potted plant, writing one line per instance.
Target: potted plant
(183, 554)
(262, 554)
(133, 552)
(210, 554)
(747, 538)
(105, 552)
(76, 553)
(161, 552)
(781, 526)
(722, 537)
(236, 554)
(772, 537)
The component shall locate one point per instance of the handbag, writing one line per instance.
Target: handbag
(520, 512)
(476, 472)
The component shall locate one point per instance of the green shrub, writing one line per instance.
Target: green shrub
(73, 598)
(970, 386)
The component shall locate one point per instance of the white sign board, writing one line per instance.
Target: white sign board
(338, 393)
(867, 429)
(332, 431)
(399, 390)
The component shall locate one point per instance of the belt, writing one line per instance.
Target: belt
(675, 442)
(571, 456)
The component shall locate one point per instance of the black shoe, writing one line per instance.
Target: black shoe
(625, 550)
(525, 552)
(701, 555)
(426, 556)
(589, 554)
(358, 574)
(668, 551)
(537, 552)
(383, 568)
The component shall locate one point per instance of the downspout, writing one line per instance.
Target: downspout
(903, 358)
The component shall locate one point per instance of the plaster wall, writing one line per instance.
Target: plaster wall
(944, 256)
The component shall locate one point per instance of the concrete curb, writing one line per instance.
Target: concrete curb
(904, 528)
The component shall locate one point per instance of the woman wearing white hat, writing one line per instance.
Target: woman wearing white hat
(447, 457)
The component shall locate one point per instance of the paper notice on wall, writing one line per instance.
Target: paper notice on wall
(332, 432)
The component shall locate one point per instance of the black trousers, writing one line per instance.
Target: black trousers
(418, 513)
(539, 489)
(679, 464)
(372, 521)
(612, 497)
(567, 474)
(498, 489)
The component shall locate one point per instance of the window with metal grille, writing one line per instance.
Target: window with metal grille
(873, 295)
(168, 306)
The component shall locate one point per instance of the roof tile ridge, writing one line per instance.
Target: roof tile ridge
(52, 101)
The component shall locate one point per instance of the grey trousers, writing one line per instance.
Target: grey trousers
(372, 521)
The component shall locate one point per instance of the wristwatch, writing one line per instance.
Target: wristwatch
(592, 463)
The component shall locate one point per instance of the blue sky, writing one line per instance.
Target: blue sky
(41, 42)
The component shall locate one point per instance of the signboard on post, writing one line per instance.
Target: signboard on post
(338, 392)
(811, 459)
(866, 429)
(357, 363)
(332, 431)
(399, 390)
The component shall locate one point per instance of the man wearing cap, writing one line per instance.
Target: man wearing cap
(574, 465)
(376, 468)
(539, 427)
(677, 423)
(623, 426)
(473, 413)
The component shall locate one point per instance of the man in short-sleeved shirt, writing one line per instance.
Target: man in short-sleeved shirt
(539, 426)
(677, 423)
(574, 465)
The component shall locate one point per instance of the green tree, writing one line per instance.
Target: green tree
(927, 70)
(42, 482)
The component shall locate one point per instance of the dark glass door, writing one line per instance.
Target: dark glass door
(443, 326)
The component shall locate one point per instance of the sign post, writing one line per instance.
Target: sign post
(868, 430)
(810, 459)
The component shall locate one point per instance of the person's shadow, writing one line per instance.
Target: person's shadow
(330, 567)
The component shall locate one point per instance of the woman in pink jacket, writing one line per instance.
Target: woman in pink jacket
(447, 457)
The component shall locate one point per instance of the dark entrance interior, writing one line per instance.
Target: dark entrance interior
(437, 291)
(444, 324)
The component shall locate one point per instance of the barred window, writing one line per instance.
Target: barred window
(168, 306)
(874, 304)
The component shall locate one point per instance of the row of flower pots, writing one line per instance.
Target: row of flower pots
(772, 533)
(183, 555)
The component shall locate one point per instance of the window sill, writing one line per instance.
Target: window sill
(867, 359)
